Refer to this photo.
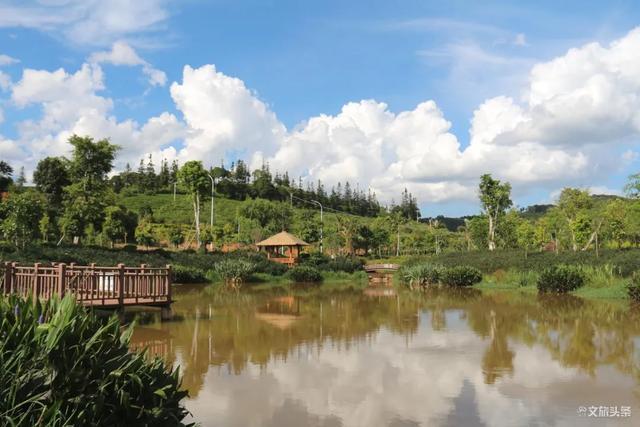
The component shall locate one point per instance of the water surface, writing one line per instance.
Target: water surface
(442, 358)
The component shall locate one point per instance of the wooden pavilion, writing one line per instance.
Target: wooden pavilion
(283, 247)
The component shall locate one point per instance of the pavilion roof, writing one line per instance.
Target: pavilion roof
(283, 239)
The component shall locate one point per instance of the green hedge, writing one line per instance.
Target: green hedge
(424, 275)
(624, 261)
(304, 274)
(561, 279)
(61, 365)
(461, 275)
(337, 264)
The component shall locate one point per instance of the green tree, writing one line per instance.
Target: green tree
(308, 226)
(394, 221)
(91, 161)
(46, 227)
(51, 177)
(193, 176)
(526, 236)
(114, 226)
(633, 186)
(22, 214)
(176, 237)
(144, 234)
(477, 229)
(21, 180)
(5, 176)
(272, 217)
(86, 199)
(495, 198)
(616, 214)
(574, 204)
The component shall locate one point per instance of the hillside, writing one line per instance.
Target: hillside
(166, 211)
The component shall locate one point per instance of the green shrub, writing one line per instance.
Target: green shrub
(461, 275)
(7, 247)
(61, 365)
(339, 263)
(304, 274)
(345, 264)
(633, 288)
(625, 261)
(185, 274)
(560, 278)
(235, 271)
(421, 275)
(130, 248)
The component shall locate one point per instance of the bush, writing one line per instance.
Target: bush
(633, 288)
(461, 275)
(421, 275)
(7, 247)
(235, 271)
(560, 278)
(61, 365)
(346, 264)
(185, 274)
(325, 263)
(130, 248)
(304, 274)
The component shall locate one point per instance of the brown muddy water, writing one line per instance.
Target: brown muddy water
(443, 358)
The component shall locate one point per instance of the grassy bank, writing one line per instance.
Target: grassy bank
(600, 282)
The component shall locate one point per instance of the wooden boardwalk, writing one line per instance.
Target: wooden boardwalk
(105, 287)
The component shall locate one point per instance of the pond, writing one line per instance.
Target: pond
(377, 358)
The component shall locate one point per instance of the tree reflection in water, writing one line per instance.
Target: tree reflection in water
(231, 332)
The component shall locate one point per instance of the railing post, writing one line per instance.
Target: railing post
(141, 281)
(36, 291)
(62, 278)
(168, 281)
(14, 285)
(121, 285)
(7, 278)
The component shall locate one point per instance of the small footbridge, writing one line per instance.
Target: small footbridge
(381, 274)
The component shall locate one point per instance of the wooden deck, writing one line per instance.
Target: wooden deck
(93, 286)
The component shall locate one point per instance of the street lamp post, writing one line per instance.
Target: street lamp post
(213, 189)
(321, 224)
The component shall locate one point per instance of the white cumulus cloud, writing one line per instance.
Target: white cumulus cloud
(123, 54)
(577, 122)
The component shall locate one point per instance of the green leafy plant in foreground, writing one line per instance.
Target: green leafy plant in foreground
(61, 365)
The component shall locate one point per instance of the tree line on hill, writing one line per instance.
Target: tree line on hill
(75, 200)
(240, 183)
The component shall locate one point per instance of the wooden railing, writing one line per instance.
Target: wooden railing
(90, 285)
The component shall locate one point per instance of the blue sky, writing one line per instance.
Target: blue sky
(281, 65)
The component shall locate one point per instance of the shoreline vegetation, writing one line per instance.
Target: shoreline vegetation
(607, 275)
